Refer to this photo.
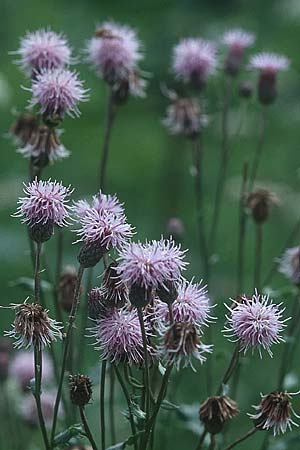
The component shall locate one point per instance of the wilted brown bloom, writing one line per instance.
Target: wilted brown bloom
(260, 203)
(217, 410)
(23, 128)
(80, 389)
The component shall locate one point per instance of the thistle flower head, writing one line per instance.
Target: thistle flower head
(289, 264)
(57, 92)
(101, 202)
(191, 305)
(80, 389)
(269, 63)
(151, 264)
(238, 38)
(33, 327)
(194, 60)
(118, 336)
(43, 49)
(114, 51)
(260, 202)
(181, 342)
(114, 290)
(255, 322)
(45, 201)
(21, 368)
(217, 410)
(274, 413)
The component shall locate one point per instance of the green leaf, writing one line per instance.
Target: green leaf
(119, 446)
(130, 441)
(169, 406)
(138, 414)
(65, 436)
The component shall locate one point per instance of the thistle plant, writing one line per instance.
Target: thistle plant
(146, 313)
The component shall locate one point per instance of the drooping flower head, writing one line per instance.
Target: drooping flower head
(33, 327)
(289, 264)
(43, 49)
(181, 343)
(237, 40)
(150, 264)
(114, 52)
(101, 202)
(274, 413)
(118, 336)
(57, 92)
(268, 65)
(45, 204)
(194, 60)
(192, 305)
(216, 411)
(255, 322)
(21, 368)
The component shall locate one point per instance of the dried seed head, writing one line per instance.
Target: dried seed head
(66, 287)
(274, 412)
(260, 203)
(80, 389)
(33, 326)
(115, 291)
(23, 128)
(215, 411)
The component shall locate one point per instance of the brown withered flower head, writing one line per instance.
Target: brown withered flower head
(260, 202)
(80, 389)
(181, 342)
(33, 326)
(96, 303)
(66, 287)
(274, 412)
(23, 128)
(217, 410)
(114, 290)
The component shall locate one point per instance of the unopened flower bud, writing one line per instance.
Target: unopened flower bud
(91, 253)
(246, 89)
(115, 291)
(66, 287)
(267, 89)
(217, 410)
(167, 292)
(260, 203)
(80, 389)
(140, 296)
(41, 232)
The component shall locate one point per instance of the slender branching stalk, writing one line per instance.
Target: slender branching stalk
(241, 439)
(146, 364)
(258, 255)
(37, 394)
(111, 404)
(111, 113)
(87, 428)
(242, 232)
(259, 149)
(102, 404)
(230, 369)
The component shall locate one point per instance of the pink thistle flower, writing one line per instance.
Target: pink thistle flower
(114, 51)
(151, 264)
(101, 202)
(255, 322)
(21, 368)
(57, 92)
(181, 343)
(289, 264)
(274, 412)
(192, 305)
(29, 412)
(194, 60)
(107, 229)
(269, 62)
(238, 38)
(43, 49)
(118, 336)
(45, 201)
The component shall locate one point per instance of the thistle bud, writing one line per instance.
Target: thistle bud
(115, 291)
(91, 253)
(167, 292)
(217, 410)
(80, 390)
(260, 203)
(246, 89)
(66, 288)
(41, 232)
(96, 303)
(140, 296)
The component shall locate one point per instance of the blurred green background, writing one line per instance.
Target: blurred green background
(150, 170)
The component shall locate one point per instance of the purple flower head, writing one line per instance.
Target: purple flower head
(45, 201)
(104, 228)
(118, 336)
(194, 60)
(43, 49)
(114, 51)
(192, 305)
(238, 38)
(22, 368)
(289, 264)
(181, 343)
(255, 322)
(57, 92)
(101, 202)
(151, 264)
(269, 63)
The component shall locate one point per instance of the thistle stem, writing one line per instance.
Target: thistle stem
(242, 438)
(111, 404)
(87, 428)
(37, 394)
(72, 318)
(258, 256)
(201, 440)
(242, 233)
(259, 149)
(146, 364)
(230, 369)
(171, 315)
(37, 270)
(102, 404)
(212, 442)
(111, 113)
(57, 275)
(127, 397)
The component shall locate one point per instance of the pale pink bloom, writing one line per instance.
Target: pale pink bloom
(21, 368)
(289, 264)
(269, 62)
(29, 410)
(238, 38)
(101, 202)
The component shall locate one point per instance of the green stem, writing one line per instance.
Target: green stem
(111, 404)
(241, 439)
(230, 369)
(37, 394)
(111, 113)
(37, 271)
(212, 442)
(259, 149)
(72, 318)
(102, 404)
(258, 256)
(87, 428)
(201, 440)
(146, 363)
(242, 233)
